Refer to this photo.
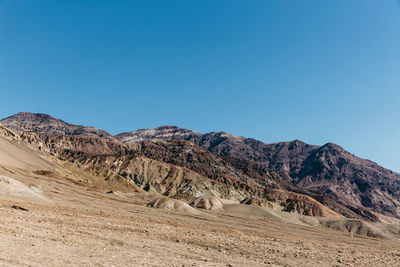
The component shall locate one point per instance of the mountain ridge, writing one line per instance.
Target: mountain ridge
(329, 173)
(44, 123)
(168, 168)
(360, 184)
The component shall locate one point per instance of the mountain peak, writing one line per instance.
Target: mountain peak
(332, 147)
(44, 123)
(167, 127)
(297, 142)
(30, 115)
(167, 132)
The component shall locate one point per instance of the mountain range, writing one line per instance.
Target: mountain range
(291, 176)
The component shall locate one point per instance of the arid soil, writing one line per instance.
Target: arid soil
(82, 227)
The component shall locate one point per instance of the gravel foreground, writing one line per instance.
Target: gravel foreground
(85, 228)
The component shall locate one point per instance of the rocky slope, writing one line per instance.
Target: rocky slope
(362, 186)
(349, 185)
(177, 169)
(43, 123)
(160, 133)
(6, 132)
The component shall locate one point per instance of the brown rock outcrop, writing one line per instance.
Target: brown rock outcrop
(43, 123)
(359, 187)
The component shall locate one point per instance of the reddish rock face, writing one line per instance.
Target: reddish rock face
(175, 168)
(357, 185)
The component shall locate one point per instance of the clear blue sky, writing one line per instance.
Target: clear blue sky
(318, 71)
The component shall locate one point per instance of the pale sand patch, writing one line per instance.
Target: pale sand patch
(13, 154)
(207, 203)
(173, 205)
(13, 189)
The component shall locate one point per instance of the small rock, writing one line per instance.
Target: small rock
(18, 208)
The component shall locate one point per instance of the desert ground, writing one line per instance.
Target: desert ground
(81, 227)
(63, 217)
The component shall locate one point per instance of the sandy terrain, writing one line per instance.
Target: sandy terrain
(60, 219)
(81, 227)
